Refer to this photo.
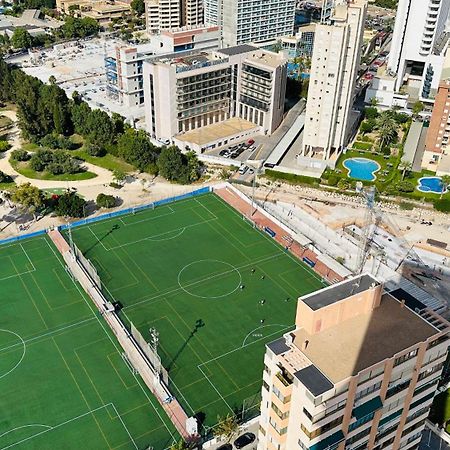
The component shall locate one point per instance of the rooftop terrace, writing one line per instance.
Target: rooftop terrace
(358, 343)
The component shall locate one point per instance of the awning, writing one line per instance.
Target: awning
(366, 408)
(329, 441)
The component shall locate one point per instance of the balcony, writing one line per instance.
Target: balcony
(285, 379)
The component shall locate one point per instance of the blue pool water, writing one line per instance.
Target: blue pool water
(431, 184)
(362, 168)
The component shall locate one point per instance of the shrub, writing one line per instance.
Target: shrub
(343, 184)
(4, 146)
(57, 142)
(442, 205)
(405, 186)
(105, 201)
(5, 178)
(95, 150)
(290, 177)
(371, 112)
(333, 180)
(20, 155)
(56, 162)
(406, 206)
(70, 204)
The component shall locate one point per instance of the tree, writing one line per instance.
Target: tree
(387, 128)
(138, 6)
(105, 201)
(442, 205)
(28, 197)
(374, 101)
(445, 179)
(94, 150)
(370, 113)
(20, 155)
(21, 38)
(193, 167)
(367, 126)
(119, 176)
(226, 427)
(170, 163)
(135, 147)
(417, 108)
(407, 166)
(70, 204)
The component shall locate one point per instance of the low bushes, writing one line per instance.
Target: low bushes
(290, 177)
(105, 201)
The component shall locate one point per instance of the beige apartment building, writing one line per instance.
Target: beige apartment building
(334, 68)
(170, 14)
(103, 11)
(194, 90)
(359, 372)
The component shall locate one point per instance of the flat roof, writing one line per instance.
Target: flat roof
(216, 131)
(279, 346)
(339, 291)
(412, 142)
(237, 50)
(315, 381)
(265, 59)
(358, 343)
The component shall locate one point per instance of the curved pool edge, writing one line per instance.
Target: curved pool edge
(429, 191)
(374, 177)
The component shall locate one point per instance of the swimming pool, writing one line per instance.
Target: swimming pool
(431, 184)
(362, 168)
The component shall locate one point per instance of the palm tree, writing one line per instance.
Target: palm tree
(226, 427)
(407, 166)
(387, 128)
(180, 445)
(445, 179)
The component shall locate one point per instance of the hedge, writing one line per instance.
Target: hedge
(291, 178)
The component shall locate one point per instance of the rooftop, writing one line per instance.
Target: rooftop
(216, 131)
(267, 59)
(358, 343)
(340, 291)
(237, 50)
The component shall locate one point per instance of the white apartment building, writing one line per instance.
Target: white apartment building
(244, 21)
(162, 15)
(124, 71)
(196, 90)
(421, 36)
(359, 372)
(334, 67)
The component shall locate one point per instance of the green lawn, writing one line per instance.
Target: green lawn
(23, 168)
(179, 268)
(64, 383)
(108, 161)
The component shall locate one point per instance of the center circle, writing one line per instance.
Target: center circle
(12, 351)
(209, 278)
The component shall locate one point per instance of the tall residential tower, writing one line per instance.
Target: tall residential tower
(359, 372)
(334, 67)
(413, 72)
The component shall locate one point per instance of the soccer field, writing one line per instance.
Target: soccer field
(63, 382)
(216, 289)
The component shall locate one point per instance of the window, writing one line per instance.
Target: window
(406, 357)
(367, 391)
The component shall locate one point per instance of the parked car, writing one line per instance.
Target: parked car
(244, 440)
(251, 141)
(225, 447)
(243, 170)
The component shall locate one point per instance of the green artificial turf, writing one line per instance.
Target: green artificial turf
(64, 384)
(179, 268)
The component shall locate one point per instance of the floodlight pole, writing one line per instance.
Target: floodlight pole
(256, 165)
(154, 342)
